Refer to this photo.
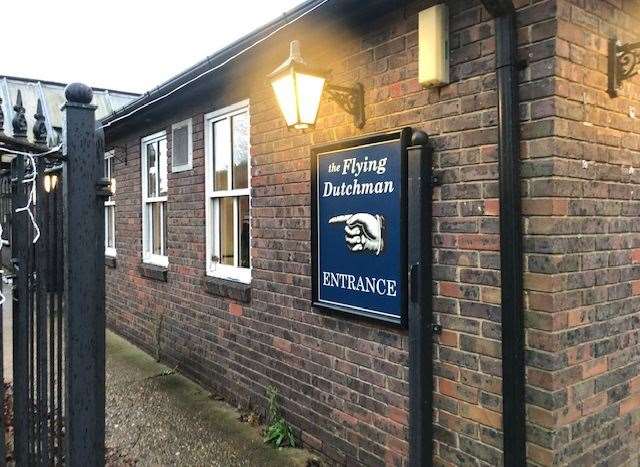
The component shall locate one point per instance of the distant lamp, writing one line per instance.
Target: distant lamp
(299, 87)
(50, 182)
(113, 186)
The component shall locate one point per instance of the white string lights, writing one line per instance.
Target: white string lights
(32, 179)
(28, 154)
(31, 200)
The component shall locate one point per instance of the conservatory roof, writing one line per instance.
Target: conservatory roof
(52, 96)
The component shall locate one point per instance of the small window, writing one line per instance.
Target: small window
(181, 146)
(228, 193)
(154, 199)
(109, 209)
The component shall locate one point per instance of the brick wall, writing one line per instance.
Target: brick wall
(582, 249)
(343, 381)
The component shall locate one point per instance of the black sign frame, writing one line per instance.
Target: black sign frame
(403, 136)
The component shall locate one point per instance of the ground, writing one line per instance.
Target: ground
(155, 416)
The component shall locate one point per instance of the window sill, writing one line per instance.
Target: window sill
(226, 288)
(181, 168)
(152, 271)
(110, 261)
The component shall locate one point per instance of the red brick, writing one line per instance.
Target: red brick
(235, 309)
(630, 404)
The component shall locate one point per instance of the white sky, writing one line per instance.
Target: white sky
(127, 45)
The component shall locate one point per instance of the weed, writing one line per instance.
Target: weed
(278, 432)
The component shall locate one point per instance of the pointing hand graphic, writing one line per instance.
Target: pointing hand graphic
(363, 231)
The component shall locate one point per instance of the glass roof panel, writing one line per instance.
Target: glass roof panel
(106, 101)
(54, 95)
(101, 100)
(119, 100)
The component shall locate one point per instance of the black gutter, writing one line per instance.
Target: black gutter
(211, 61)
(511, 250)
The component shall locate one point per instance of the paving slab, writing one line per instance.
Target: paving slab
(158, 417)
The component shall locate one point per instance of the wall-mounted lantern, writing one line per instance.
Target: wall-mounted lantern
(50, 182)
(299, 88)
(622, 62)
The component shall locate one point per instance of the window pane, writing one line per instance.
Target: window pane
(164, 228)
(151, 169)
(221, 154)
(180, 154)
(112, 243)
(107, 168)
(107, 226)
(243, 231)
(162, 167)
(226, 231)
(214, 229)
(107, 171)
(110, 228)
(240, 124)
(156, 228)
(148, 233)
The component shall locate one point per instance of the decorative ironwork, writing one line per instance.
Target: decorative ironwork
(39, 127)
(19, 120)
(622, 63)
(120, 154)
(351, 100)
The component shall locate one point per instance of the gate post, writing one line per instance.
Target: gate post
(83, 281)
(420, 298)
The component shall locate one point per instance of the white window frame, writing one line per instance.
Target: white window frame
(109, 202)
(148, 257)
(189, 165)
(224, 271)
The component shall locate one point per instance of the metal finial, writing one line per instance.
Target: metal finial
(19, 120)
(40, 128)
(78, 93)
(1, 117)
(295, 50)
(419, 138)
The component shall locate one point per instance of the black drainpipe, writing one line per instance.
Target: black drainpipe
(511, 251)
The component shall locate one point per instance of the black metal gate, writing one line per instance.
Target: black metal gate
(57, 238)
(5, 215)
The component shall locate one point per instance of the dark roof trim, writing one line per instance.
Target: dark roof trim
(56, 83)
(498, 7)
(212, 63)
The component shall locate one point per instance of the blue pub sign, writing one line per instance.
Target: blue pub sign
(359, 245)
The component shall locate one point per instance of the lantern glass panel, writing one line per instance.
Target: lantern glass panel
(309, 92)
(285, 90)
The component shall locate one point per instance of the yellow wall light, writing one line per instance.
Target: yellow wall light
(299, 88)
(50, 182)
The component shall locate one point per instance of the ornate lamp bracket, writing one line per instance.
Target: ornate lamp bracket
(351, 100)
(622, 63)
